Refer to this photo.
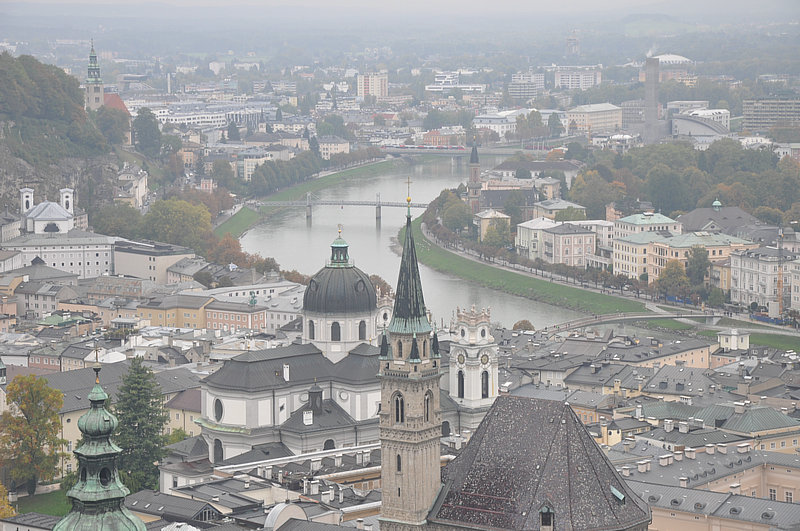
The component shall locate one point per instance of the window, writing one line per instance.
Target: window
(310, 329)
(460, 384)
(773, 494)
(399, 463)
(427, 406)
(362, 331)
(399, 409)
(336, 332)
(789, 496)
(485, 384)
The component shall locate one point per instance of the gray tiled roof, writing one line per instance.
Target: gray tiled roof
(329, 417)
(160, 504)
(530, 453)
(32, 520)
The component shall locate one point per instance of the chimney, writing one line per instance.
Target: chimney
(337, 460)
(678, 455)
(360, 523)
(738, 407)
(665, 459)
(626, 471)
(683, 427)
(327, 496)
(742, 448)
(286, 372)
(639, 414)
(316, 464)
(710, 448)
(247, 483)
(641, 466)
(628, 444)
(268, 471)
(722, 448)
(314, 487)
(341, 495)
(359, 458)
(785, 410)
(689, 452)
(215, 498)
(736, 488)
(367, 527)
(367, 456)
(305, 487)
(668, 425)
(684, 481)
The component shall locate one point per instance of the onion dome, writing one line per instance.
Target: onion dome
(340, 287)
(98, 421)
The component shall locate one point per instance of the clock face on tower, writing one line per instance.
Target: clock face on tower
(484, 359)
(461, 359)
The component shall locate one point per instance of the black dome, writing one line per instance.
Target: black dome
(340, 287)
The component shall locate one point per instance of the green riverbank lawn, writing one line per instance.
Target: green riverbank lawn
(765, 340)
(517, 284)
(238, 223)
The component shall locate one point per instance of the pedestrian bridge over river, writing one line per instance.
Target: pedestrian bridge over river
(312, 200)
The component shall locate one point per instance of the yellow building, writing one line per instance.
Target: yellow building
(484, 219)
(180, 311)
(594, 118)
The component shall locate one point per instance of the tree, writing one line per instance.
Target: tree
(524, 324)
(140, 410)
(522, 173)
(716, 298)
(118, 220)
(148, 136)
(515, 200)
(177, 436)
(555, 125)
(575, 151)
(697, 265)
(673, 279)
(380, 284)
(233, 132)
(30, 445)
(222, 172)
(114, 124)
(456, 215)
(498, 234)
(6, 510)
(178, 222)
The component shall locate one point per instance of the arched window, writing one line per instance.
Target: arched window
(399, 350)
(424, 348)
(399, 463)
(362, 331)
(485, 384)
(546, 518)
(310, 329)
(218, 454)
(427, 406)
(445, 429)
(336, 332)
(399, 409)
(329, 445)
(460, 384)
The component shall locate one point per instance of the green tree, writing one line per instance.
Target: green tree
(555, 125)
(697, 265)
(673, 279)
(497, 234)
(523, 324)
(666, 189)
(576, 151)
(456, 215)
(178, 222)
(222, 172)
(716, 298)
(233, 132)
(522, 173)
(30, 445)
(177, 436)
(142, 419)
(6, 510)
(118, 220)
(114, 124)
(147, 133)
(513, 207)
(590, 190)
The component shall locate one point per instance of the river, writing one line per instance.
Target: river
(287, 237)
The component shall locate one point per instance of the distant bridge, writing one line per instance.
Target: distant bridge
(312, 200)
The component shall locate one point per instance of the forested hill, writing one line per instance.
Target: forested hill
(46, 137)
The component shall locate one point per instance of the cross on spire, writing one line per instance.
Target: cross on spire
(408, 195)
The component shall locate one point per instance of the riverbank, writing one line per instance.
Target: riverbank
(247, 217)
(517, 283)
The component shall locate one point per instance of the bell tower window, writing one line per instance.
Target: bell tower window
(460, 384)
(399, 409)
(485, 384)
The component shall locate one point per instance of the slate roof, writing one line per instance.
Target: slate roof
(260, 370)
(190, 447)
(32, 520)
(331, 416)
(527, 454)
(160, 504)
(188, 400)
(260, 452)
(293, 524)
(409, 315)
(759, 419)
(726, 218)
(47, 211)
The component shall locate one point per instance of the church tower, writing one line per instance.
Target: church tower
(473, 360)
(98, 497)
(474, 184)
(94, 84)
(410, 418)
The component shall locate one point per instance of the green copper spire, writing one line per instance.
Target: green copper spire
(98, 497)
(93, 73)
(409, 315)
(339, 255)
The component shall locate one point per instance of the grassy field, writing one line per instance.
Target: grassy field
(246, 218)
(54, 503)
(765, 340)
(517, 284)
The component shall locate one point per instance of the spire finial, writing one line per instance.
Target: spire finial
(408, 196)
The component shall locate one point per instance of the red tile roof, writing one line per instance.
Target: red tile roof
(113, 101)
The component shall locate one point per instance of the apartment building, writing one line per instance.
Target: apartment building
(594, 118)
(645, 222)
(373, 84)
(578, 77)
(148, 260)
(757, 273)
(762, 115)
(568, 244)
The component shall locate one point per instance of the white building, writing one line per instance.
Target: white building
(85, 254)
(755, 276)
(578, 77)
(645, 222)
(376, 85)
(501, 122)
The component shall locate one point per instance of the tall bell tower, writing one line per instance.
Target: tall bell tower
(410, 418)
(94, 83)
